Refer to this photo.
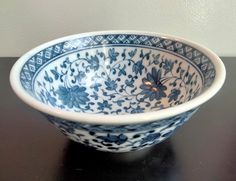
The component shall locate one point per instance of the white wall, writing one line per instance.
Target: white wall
(25, 24)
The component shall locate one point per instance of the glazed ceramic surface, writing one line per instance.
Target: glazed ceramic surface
(114, 85)
(120, 138)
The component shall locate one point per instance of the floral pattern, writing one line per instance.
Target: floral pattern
(93, 62)
(118, 81)
(152, 86)
(117, 74)
(134, 73)
(150, 138)
(117, 139)
(73, 97)
(174, 95)
(112, 55)
(120, 138)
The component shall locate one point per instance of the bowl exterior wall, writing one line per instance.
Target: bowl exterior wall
(120, 138)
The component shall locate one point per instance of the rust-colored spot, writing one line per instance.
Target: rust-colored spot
(148, 83)
(154, 89)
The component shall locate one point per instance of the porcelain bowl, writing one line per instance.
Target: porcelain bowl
(118, 91)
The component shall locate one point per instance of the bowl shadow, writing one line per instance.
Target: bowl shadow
(83, 163)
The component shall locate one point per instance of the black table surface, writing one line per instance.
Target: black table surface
(204, 148)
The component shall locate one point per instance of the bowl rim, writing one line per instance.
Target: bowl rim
(124, 118)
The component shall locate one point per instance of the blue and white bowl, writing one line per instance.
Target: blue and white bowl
(118, 91)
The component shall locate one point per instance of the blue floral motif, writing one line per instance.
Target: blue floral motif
(94, 62)
(138, 109)
(103, 105)
(48, 78)
(95, 95)
(81, 75)
(111, 84)
(52, 100)
(174, 95)
(96, 86)
(120, 138)
(55, 73)
(152, 86)
(122, 71)
(112, 55)
(129, 83)
(150, 138)
(73, 97)
(132, 53)
(120, 102)
(168, 66)
(117, 139)
(138, 67)
(156, 59)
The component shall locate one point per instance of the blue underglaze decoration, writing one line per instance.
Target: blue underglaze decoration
(117, 74)
(120, 138)
(152, 86)
(145, 80)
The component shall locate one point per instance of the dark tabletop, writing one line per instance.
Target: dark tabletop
(204, 149)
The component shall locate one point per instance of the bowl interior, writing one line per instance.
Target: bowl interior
(117, 74)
